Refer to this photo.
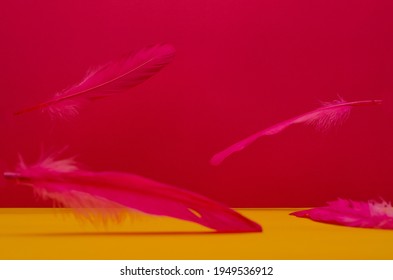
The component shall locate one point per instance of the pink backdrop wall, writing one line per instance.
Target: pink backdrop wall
(240, 66)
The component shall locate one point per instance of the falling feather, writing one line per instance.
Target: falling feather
(69, 186)
(329, 114)
(371, 214)
(116, 76)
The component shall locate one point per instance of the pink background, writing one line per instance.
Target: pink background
(240, 66)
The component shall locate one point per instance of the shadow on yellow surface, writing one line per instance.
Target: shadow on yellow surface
(57, 234)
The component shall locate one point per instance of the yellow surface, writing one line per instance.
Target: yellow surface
(56, 234)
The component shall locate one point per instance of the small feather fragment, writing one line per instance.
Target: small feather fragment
(322, 118)
(370, 214)
(116, 76)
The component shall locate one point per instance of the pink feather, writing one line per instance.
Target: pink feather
(350, 213)
(115, 76)
(67, 185)
(322, 118)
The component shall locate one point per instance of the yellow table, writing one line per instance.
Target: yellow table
(57, 234)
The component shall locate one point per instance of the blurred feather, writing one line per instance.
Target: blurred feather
(100, 196)
(116, 76)
(329, 114)
(371, 214)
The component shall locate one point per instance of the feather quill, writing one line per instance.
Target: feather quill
(68, 186)
(370, 214)
(113, 77)
(322, 118)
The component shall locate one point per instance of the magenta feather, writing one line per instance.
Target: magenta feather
(115, 76)
(68, 186)
(322, 118)
(371, 214)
